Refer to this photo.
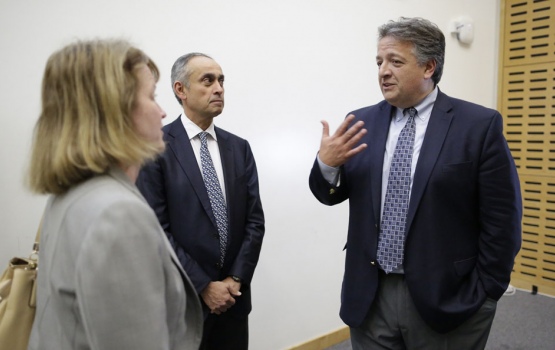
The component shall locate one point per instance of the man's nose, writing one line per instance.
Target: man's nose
(218, 87)
(384, 70)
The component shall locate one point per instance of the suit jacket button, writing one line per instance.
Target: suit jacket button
(373, 263)
(332, 191)
(216, 236)
(219, 265)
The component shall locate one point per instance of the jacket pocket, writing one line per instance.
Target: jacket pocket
(457, 167)
(464, 267)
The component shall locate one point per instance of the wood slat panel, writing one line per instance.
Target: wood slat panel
(535, 264)
(529, 32)
(528, 107)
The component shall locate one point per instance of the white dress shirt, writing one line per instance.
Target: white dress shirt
(398, 121)
(193, 130)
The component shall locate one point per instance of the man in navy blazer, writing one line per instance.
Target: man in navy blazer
(462, 228)
(174, 187)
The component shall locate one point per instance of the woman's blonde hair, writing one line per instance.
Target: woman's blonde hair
(85, 126)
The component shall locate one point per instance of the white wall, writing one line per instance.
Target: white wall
(288, 64)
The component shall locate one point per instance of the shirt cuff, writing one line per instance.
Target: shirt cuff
(330, 174)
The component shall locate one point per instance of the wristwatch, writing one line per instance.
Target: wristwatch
(236, 279)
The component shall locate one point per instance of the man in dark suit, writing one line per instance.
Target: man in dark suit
(204, 190)
(435, 205)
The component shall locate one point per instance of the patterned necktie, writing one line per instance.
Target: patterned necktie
(392, 237)
(214, 193)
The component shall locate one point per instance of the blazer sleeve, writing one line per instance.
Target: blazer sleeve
(151, 183)
(121, 287)
(500, 211)
(249, 252)
(325, 192)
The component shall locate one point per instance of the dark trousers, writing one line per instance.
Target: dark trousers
(225, 331)
(393, 323)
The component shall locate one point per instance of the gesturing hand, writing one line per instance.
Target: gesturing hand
(337, 149)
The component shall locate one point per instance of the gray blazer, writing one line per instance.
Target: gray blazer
(108, 278)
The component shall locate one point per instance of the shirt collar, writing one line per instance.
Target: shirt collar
(424, 108)
(193, 129)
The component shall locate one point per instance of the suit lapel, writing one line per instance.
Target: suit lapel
(180, 145)
(378, 129)
(438, 126)
(228, 164)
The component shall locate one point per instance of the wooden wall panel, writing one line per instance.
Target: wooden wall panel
(528, 109)
(527, 102)
(529, 32)
(536, 262)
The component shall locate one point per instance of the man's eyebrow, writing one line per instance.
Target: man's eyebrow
(211, 76)
(390, 55)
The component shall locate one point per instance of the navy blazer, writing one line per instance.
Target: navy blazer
(174, 188)
(463, 226)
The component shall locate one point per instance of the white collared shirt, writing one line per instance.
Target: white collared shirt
(424, 109)
(398, 121)
(192, 131)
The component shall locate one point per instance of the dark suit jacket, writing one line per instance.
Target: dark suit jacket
(464, 218)
(174, 188)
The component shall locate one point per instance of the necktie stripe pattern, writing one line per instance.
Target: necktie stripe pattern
(392, 237)
(215, 193)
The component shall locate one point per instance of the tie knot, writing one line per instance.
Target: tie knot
(203, 136)
(411, 111)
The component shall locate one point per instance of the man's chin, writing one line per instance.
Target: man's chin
(217, 112)
(390, 98)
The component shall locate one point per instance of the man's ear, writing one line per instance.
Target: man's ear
(180, 90)
(430, 68)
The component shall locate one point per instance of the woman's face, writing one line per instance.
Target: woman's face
(147, 114)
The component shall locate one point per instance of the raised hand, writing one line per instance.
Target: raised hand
(337, 149)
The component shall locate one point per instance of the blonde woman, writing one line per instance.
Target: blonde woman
(108, 277)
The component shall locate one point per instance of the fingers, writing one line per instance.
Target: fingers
(356, 150)
(234, 292)
(337, 149)
(226, 303)
(234, 288)
(344, 125)
(217, 297)
(349, 136)
(325, 129)
(354, 134)
(223, 307)
(344, 131)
